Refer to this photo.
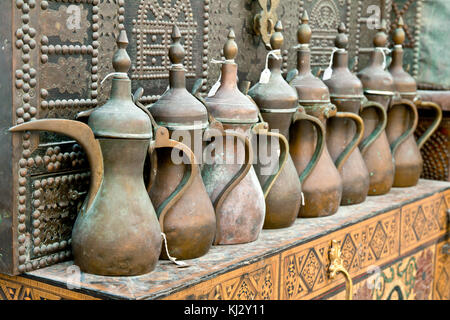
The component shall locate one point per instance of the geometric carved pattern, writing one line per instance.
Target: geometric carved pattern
(304, 269)
(311, 269)
(18, 288)
(410, 278)
(421, 221)
(378, 240)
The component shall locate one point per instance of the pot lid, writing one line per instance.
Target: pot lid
(374, 77)
(403, 81)
(228, 104)
(310, 89)
(177, 108)
(343, 83)
(119, 117)
(275, 96)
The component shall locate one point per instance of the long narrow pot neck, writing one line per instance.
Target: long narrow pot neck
(177, 78)
(229, 75)
(304, 61)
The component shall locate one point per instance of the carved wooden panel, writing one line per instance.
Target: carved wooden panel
(304, 269)
(18, 288)
(258, 281)
(423, 221)
(410, 278)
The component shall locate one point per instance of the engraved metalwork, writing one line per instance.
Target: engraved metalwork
(264, 22)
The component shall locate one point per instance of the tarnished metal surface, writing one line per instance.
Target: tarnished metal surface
(58, 52)
(278, 102)
(241, 216)
(403, 119)
(323, 188)
(346, 93)
(190, 223)
(112, 235)
(378, 86)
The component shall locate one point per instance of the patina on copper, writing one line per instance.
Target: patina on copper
(378, 86)
(116, 232)
(323, 187)
(278, 102)
(347, 94)
(190, 223)
(240, 215)
(403, 119)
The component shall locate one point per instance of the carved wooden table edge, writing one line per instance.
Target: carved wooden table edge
(290, 263)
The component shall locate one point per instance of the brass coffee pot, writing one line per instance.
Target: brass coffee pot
(378, 86)
(347, 94)
(323, 188)
(278, 105)
(403, 117)
(116, 232)
(185, 212)
(239, 204)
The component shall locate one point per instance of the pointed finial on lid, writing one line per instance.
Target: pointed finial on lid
(230, 48)
(277, 39)
(304, 31)
(176, 50)
(341, 40)
(399, 33)
(380, 38)
(121, 60)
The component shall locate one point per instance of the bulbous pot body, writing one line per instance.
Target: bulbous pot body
(354, 173)
(407, 158)
(323, 187)
(240, 217)
(190, 223)
(119, 234)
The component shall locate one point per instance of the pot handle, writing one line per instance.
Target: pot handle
(245, 168)
(367, 142)
(356, 139)
(284, 151)
(162, 140)
(320, 143)
(411, 129)
(434, 125)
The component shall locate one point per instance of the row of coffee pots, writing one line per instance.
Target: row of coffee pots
(335, 143)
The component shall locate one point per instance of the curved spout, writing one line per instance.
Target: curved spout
(83, 134)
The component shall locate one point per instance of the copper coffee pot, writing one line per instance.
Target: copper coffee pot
(323, 188)
(278, 104)
(240, 213)
(403, 117)
(116, 232)
(186, 215)
(378, 86)
(347, 94)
